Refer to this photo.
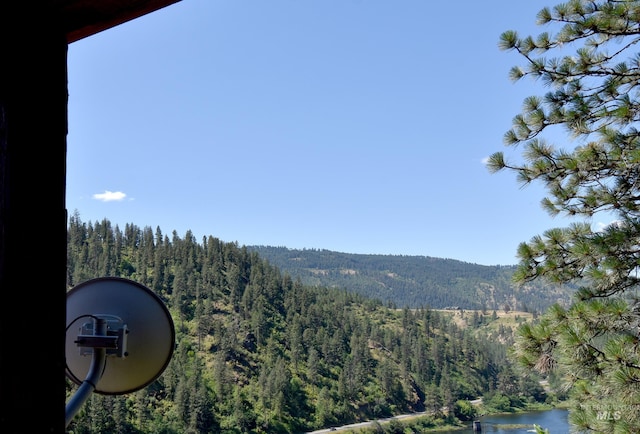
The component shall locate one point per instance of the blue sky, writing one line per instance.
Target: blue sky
(357, 126)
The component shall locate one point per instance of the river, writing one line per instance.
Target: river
(556, 421)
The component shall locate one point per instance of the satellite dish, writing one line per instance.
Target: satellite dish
(136, 339)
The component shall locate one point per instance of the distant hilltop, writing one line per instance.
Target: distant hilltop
(415, 281)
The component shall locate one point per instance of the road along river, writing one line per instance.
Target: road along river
(556, 421)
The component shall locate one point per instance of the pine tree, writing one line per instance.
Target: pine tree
(591, 64)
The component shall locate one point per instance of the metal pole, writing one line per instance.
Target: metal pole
(96, 369)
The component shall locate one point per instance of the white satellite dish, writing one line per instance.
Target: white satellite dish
(140, 336)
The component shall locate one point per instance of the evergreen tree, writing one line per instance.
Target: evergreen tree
(324, 408)
(258, 352)
(591, 64)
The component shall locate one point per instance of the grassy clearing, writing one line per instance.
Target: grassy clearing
(493, 319)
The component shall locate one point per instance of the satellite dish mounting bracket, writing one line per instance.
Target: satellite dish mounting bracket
(102, 351)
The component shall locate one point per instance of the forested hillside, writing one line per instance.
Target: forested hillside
(260, 352)
(414, 281)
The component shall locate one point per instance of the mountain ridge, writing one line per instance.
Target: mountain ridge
(415, 281)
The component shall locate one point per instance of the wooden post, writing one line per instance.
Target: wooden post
(33, 134)
(34, 38)
(476, 426)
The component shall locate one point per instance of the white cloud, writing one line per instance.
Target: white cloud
(110, 196)
(601, 226)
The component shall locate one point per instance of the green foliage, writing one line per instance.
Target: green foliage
(258, 352)
(415, 281)
(413, 425)
(464, 410)
(496, 402)
(589, 61)
(539, 430)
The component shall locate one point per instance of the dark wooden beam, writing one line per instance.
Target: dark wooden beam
(33, 131)
(84, 18)
(34, 38)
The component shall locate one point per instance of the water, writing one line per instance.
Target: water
(556, 421)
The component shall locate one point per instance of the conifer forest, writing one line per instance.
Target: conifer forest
(259, 352)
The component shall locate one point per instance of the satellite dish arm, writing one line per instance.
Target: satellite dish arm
(96, 369)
